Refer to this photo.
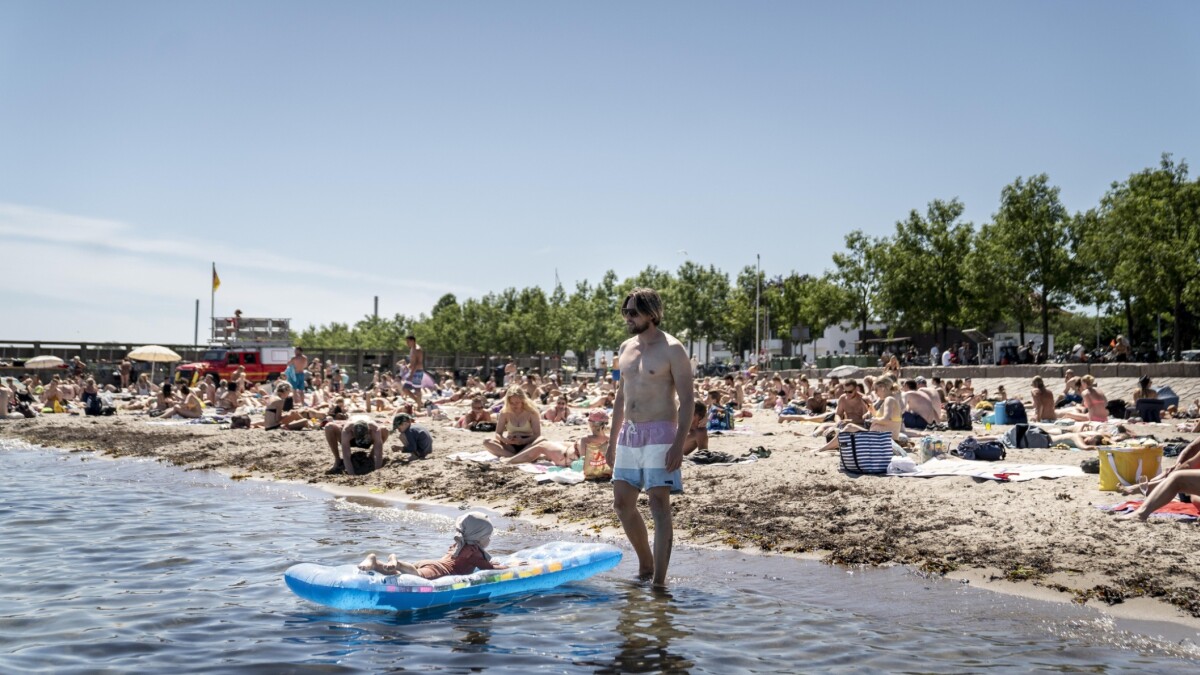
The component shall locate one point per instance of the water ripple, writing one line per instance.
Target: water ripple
(133, 566)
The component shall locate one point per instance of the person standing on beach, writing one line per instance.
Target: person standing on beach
(126, 368)
(652, 413)
(416, 368)
(296, 377)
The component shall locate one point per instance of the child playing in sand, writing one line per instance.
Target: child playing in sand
(473, 533)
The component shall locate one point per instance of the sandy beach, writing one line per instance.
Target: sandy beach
(1042, 537)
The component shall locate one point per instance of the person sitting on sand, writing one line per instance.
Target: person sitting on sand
(53, 394)
(279, 412)
(559, 412)
(414, 439)
(593, 448)
(165, 400)
(478, 413)
(473, 534)
(920, 413)
(190, 407)
(697, 437)
(1070, 394)
(1143, 390)
(519, 426)
(1043, 402)
(1183, 480)
(890, 413)
(360, 432)
(1094, 400)
(7, 398)
(227, 400)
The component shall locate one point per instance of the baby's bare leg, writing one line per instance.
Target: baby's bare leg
(400, 567)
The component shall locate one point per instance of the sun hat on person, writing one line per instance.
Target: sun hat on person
(471, 528)
(600, 417)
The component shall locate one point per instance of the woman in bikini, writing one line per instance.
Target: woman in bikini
(559, 412)
(477, 413)
(519, 427)
(191, 407)
(279, 414)
(1094, 400)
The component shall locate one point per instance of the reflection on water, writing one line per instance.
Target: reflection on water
(182, 571)
(646, 622)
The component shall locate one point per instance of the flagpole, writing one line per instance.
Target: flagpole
(757, 293)
(212, 299)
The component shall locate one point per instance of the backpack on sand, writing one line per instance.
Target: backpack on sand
(958, 416)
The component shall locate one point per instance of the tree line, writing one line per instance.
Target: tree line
(1136, 255)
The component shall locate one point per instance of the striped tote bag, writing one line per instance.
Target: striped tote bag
(865, 451)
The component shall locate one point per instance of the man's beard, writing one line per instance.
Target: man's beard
(636, 329)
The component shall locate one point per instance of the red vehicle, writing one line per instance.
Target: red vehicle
(261, 346)
(261, 363)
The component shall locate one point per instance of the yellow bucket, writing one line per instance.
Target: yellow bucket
(1126, 466)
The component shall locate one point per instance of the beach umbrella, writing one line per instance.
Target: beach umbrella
(43, 362)
(845, 371)
(155, 354)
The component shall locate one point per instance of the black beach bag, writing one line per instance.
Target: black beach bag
(958, 416)
(1015, 410)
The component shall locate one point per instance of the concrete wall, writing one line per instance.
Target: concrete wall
(1048, 372)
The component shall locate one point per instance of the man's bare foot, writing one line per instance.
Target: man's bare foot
(645, 575)
(336, 468)
(369, 563)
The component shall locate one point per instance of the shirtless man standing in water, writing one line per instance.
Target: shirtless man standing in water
(652, 413)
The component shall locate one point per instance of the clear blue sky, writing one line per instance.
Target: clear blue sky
(326, 152)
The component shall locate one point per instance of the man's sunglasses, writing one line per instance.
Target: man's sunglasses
(629, 313)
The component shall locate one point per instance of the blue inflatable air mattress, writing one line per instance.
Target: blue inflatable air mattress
(547, 566)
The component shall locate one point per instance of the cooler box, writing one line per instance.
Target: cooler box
(1168, 396)
(1126, 466)
(1000, 413)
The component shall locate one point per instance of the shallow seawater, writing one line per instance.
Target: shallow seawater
(135, 566)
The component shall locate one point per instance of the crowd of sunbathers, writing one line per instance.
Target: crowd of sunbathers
(514, 416)
(1079, 413)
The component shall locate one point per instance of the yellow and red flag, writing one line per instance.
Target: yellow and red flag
(216, 279)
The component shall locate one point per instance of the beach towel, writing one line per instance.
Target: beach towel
(1175, 510)
(483, 457)
(999, 471)
(741, 431)
(544, 473)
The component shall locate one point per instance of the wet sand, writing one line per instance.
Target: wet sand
(1038, 537)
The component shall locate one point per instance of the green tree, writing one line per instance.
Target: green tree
(1161, 210)
(991, 291)
(922, 267)
(825, 303)
(736, 326)
(858, 272)
(1032, 234)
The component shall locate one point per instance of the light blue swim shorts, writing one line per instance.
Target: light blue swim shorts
(641, 457)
